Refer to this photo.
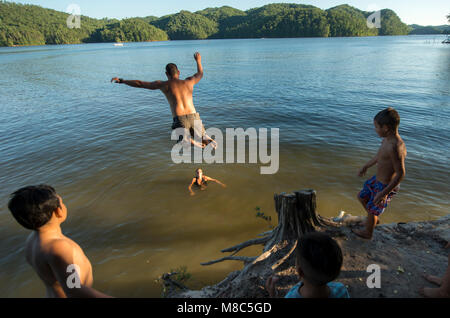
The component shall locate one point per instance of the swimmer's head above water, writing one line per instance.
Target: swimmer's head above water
(201, 180)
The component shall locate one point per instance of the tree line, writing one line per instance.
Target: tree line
(33, 25)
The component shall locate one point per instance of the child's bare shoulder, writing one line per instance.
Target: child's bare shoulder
(61, 247)
(400, 145)
(397, 146)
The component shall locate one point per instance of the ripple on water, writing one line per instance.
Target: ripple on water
(106, 147)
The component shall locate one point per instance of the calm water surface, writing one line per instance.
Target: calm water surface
(106, 148)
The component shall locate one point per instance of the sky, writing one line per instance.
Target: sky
(429, 12)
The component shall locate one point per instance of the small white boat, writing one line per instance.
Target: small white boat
(118, 44)
(447, 40)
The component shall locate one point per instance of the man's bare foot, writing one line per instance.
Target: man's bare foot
(362, 233)
(433, 279)
(433, 293)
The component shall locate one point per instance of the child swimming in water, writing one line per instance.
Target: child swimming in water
(201, 181)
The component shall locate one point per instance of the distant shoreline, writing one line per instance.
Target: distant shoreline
(266, 38)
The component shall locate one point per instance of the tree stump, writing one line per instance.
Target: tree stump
(296, 217)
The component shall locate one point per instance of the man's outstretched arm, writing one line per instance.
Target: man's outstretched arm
(140, 84)
(197, 76)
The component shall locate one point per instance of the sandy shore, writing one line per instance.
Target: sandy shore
(404, 252)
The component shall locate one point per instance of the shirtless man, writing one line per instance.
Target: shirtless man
(179, 95)
(390, 161)
(200, 180)
(59, 262)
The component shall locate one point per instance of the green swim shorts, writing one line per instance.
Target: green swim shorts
(188, 122)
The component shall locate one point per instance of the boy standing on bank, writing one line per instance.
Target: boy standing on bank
(390, 160)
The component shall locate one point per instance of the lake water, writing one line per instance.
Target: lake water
(106, 147)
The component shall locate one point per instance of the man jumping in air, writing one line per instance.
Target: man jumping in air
(179, 95)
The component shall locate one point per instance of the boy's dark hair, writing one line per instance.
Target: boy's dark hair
(388, 117)
(319, 257)
(33, 206)
(171, 69)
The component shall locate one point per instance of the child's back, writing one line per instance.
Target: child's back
(43, 249)
(336, 290)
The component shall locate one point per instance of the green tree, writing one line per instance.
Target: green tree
(34, 25)
(130, 30)
(391, 24)
(186, 25)
(280, 20)
(345, 20)
(225, 17)
(424, 30)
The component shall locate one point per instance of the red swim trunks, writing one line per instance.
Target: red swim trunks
(370, 190)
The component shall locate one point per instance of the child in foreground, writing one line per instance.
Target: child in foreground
(58, 261)
(318, 262)
(390, 160)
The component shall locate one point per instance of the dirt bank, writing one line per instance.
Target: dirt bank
(404, 252)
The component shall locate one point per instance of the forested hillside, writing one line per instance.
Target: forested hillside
(34, 25)
(187, 26)
(438, 29)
